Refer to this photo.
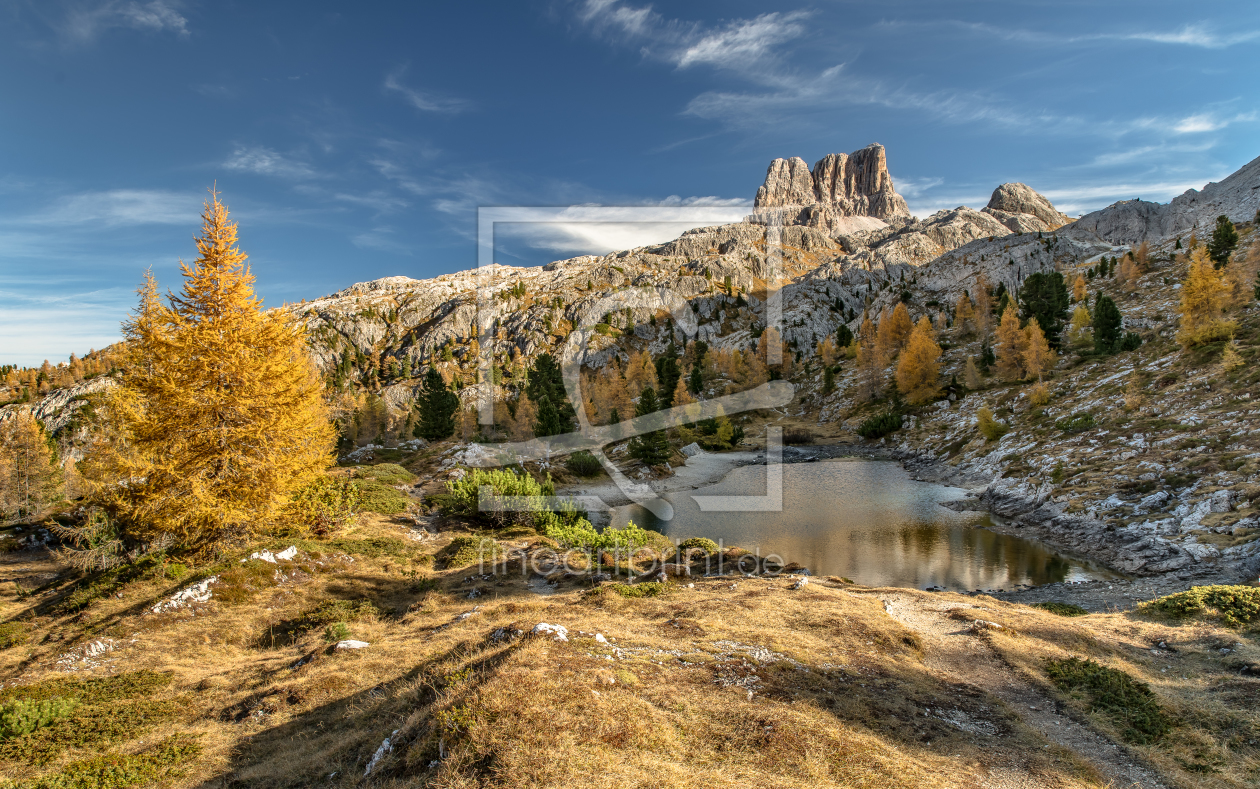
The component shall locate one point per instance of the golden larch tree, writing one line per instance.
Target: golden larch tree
(871, 361)
(1038, 357)
(971, 375)
(1079, 293)
(827, 351)
(1204, 295)
(964, 315)
(220, 416)
(30, 477)
(984, 306)
(1010, 345)
(919, 369)
(1079, 332)
(901, 326)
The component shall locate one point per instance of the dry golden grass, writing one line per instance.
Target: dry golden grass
(838, 688)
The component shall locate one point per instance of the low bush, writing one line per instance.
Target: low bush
(1075, 423)
(1234, 606)
(1126, 702)
(13, 634)
(698, 543)
(21, 717)
(583, 464)
(376, 496)
(463, 551)
(880, 425)
(645, 589)
(512, 498)
(124, 770)
(389, 473)
(1062, 609)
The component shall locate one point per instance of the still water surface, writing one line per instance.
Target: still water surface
(870, 522)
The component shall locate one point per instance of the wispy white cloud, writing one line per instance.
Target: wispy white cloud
(1209, 122)
(382, 239)
(421, 100)
(742, 42)
(740, 45)
(914, 187)
(264, 161)
(119, 207)
(1199, 35)
(86, 23)
(378, 201)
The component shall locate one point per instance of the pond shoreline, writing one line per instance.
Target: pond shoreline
(1009, 510)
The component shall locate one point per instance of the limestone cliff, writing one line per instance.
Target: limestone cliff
(835, 196)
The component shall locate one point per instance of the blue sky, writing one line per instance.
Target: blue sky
(355, 141)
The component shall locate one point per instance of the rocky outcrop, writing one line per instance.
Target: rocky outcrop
(1134, 221)
(835, 196)
(1021, 210)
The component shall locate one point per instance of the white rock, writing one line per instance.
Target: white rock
(197, 593)
(558, 632)
(599, 638)
(266, 556)
(386, 748)
(288, 553)
(350, 643)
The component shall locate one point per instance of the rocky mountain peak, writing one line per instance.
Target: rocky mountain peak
(839, 185)
(1011, 200)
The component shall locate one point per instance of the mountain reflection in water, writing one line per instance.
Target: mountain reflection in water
(870, 522)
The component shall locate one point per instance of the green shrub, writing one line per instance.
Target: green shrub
(464, 551)
(21, 717)
(389, 473)
(701, 543)
(337, 631)
(463, 496)
(13, 634)
(645, 589)
(880, 425)
(1075, 423)
(1127, 702)
(376, 496)
(89, 726)
(1062, 609)
(124, 770)
(583, 464)
(1234, 606)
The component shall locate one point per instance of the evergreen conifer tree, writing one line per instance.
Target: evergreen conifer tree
(695, 382)
(651, 448)
(1107, 323)
(1224, 240)
(548, 423)
(546, 379)
(1044, 296)
(437, 405)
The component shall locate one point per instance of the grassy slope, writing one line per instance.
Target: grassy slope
(839, 687)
